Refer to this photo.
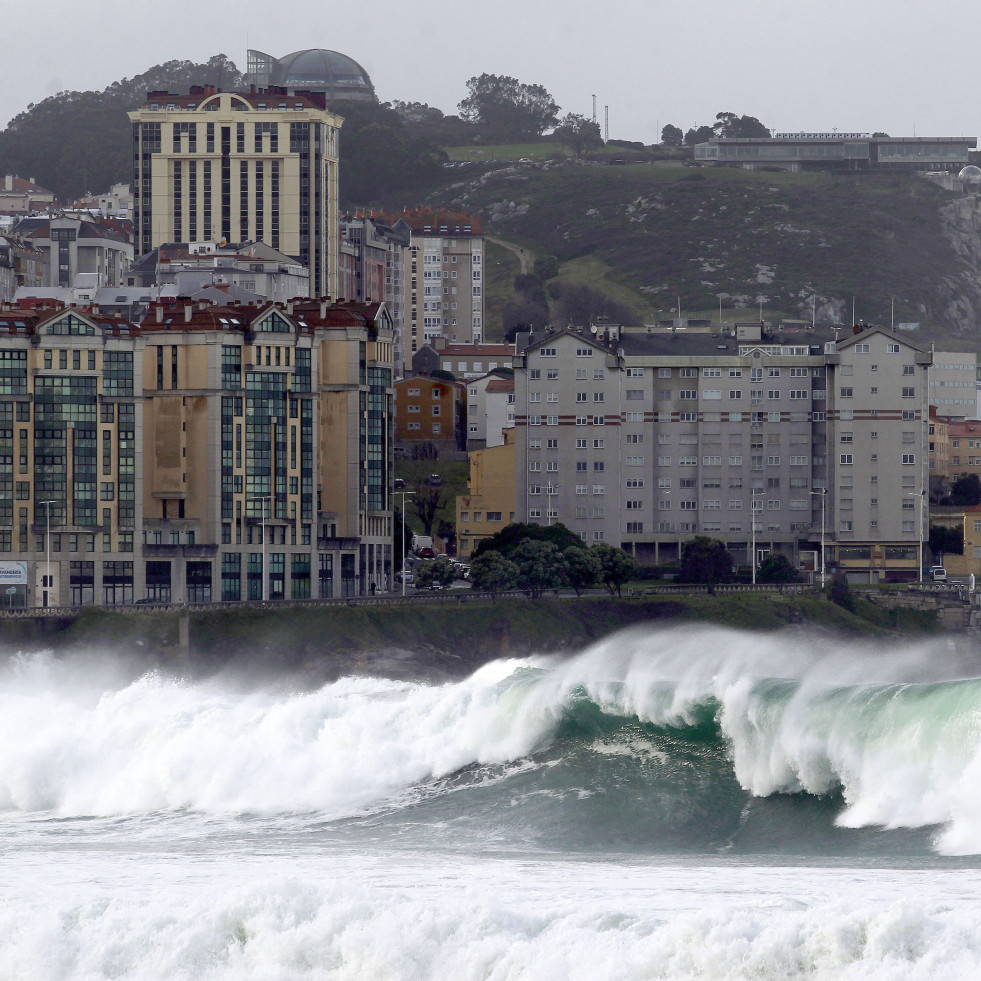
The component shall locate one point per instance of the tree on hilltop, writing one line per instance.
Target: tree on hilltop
(578, 133)
(507, 108)
(729, 126)
(672, 136)
(701, 135)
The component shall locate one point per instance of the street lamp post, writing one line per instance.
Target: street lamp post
(823, 494)
(550, 492)
(752, 514)
(403, 494)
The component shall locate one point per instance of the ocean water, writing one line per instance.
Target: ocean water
(672, 803)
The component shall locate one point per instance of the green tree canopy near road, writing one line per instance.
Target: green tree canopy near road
(434, 572)
(776, 568)
(493, 573)
(512, 535)
(541, 566)
(534, 558)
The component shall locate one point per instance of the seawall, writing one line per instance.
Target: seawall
(448, 639)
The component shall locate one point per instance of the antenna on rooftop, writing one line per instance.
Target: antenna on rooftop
(594, 107)
(606, 127)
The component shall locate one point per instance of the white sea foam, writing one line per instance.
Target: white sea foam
(416, 921)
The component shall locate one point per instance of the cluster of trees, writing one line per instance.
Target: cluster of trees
(727, 126)
(541, 299)
(76, 142)
(707, 561)
(536, 559)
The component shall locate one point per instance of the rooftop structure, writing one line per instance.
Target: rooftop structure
(849, 151)
(339, 77)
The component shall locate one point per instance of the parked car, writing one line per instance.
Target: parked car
(398, 484)
(406, 576)
(434, 480)
(938, 573)
(426, 552)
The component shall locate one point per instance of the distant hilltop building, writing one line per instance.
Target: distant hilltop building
(839, 151)
(339, 77)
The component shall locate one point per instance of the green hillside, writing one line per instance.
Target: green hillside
(634, 231)
(647, 235)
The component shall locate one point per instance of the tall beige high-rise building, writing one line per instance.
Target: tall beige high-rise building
(232, 166)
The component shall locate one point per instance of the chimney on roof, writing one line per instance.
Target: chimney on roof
(188, 310)
(8, 183)
(160, 312)
(439, 342)
(323, 307)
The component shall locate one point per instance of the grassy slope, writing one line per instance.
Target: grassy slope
(651, 233)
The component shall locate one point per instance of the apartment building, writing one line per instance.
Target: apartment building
(644, 440)
(490, 410)
(22, 265)
(268, 444)
(235, 452)
(80, 250)
(939, 450)
(430, 410)
(964, 447)
(253, 267)
(444, 276)
(953, 383)
(372, 266)
(70, 447)
(243, 167)
(488, 507)
(21, 196)
(461, 360)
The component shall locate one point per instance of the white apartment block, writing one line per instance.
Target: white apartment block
(490, 410)
(647, 440)
(444, 277)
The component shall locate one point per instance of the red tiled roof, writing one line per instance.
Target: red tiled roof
(476, 350)
(21, 185)
(436, 219)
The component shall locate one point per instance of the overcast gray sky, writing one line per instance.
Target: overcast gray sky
(899, 66)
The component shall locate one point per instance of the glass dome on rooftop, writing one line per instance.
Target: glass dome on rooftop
(320, 70)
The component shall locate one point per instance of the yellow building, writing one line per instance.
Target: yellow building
(489, 506)
(239, 167)
(968, 520)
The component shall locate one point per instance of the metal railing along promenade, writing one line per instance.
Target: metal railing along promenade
(438, 597)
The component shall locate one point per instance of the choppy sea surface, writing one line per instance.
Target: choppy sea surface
(678, 803)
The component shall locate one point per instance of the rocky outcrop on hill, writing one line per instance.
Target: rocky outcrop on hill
(961, 224)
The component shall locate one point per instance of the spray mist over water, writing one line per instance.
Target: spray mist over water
(898, 733)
